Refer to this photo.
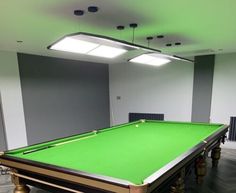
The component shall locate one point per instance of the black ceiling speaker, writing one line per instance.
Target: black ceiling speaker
(149, 38)
(92, 9)
(133, 25)
(178, 43)
(120, 27)
(160, 36)
(78, 12)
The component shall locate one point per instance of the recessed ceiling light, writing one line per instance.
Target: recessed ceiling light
(151, 59)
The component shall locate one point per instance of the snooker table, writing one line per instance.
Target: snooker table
(135, 157)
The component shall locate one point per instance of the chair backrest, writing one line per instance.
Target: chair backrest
(149, 116)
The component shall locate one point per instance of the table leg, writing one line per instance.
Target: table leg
(200, 169)
(19, 186)
(215, 155)
(179, 186)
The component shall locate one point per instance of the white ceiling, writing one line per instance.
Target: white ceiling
(202, 26)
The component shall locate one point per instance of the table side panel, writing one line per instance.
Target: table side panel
(64, 176)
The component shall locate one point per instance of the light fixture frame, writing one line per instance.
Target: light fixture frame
(164, 56)
(122, 44)
(96, 39)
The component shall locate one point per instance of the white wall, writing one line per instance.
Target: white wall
(12, 105)
(224, 91)
(166, 89)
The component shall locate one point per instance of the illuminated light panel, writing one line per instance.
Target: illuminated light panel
(109, 41)
(70, 44)
(107, 52)
(150, 59)
(107, 47)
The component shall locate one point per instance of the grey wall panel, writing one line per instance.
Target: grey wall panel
(63, 97)
(202, 88)
(3, 144)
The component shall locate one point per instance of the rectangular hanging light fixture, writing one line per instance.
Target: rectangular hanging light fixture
(107, 47)
(93, 45)
(156, 59)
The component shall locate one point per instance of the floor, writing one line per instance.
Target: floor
(220, 180)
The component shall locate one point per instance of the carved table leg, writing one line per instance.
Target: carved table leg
(200, 169)
(215, 155)
(179, 186)
(19, 186)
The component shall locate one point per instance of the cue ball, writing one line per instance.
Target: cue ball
(136, 125)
